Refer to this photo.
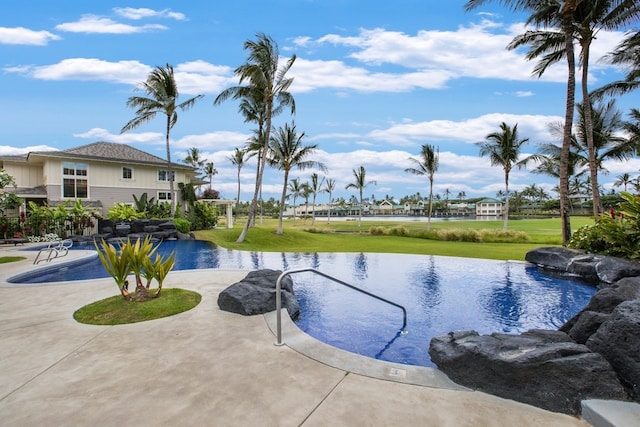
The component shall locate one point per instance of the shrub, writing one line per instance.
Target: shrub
(399, 230)
(182, 225)
(460, 235)
(503, 236)
(122, 212)
(202, 216)
(377, 231)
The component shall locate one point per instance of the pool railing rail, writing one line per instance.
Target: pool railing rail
(55, 249)
(284, 274)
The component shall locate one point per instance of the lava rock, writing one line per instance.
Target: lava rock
(552, 258)
(542, 368)
(256, 294)
(618, 340)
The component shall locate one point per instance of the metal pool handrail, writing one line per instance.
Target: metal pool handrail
(313, 270)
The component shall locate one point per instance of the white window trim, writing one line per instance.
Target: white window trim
(75, 178)
(122, 178)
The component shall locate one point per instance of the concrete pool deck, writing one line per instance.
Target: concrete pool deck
(207, 367)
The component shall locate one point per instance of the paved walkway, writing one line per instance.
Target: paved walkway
(205, 367)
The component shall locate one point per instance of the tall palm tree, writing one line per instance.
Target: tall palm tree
(238, 158)
(315, 187)
(503, 149)
(360, 183)
(626, 54)
(590, 17)
(265, 95)
(193, 158)
(287, 151)
(427, 166)
(210, 171)
(329, 187)
(623, 180)
(162, 96)
(550, 13)
(295, 188)
(632, 128)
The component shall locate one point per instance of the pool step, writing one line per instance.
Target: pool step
(611, 413)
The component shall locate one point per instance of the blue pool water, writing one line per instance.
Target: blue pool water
(440, 294)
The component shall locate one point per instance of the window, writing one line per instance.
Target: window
(127, 173)
(164, 195)
(74, 180)
(163, 175)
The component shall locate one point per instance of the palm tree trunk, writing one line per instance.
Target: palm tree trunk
(568, 123)
(238, 196)
(430, 205)
(282, 200)
(506, 198)
(588, 121)
(261, 164)
(170, 168)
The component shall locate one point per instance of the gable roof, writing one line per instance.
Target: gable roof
(110, 152)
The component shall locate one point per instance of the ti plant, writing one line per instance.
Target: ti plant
(135, 258)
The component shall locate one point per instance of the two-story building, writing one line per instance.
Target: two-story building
(98, 174)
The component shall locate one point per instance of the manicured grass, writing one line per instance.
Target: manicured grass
(6, 259)
(345, 236)
(117, 311)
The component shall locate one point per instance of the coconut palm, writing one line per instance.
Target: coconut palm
(315, 187)
(590, 17)
(627, 54)
(238, 158)
(623, 180)
(193, 158)
(163, 94)
(210, 171)
(265, 95)
(503, 149)
(286, 151)
(360, 183)
(427, 166)
(295, 188)
(550, 13)
(329, 187)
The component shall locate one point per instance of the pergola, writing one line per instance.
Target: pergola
(219, 202)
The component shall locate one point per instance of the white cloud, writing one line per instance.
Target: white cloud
(143, 12)
(213, 140)
(99, 134)
(101, 25)
(7, 150)
(25, 36)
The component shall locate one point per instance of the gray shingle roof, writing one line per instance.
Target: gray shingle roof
(110, 151)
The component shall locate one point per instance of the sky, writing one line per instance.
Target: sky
(373, 81)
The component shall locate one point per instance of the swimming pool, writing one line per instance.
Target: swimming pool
(440, 294)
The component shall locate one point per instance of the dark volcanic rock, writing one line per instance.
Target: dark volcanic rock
(542, 368)
(589, 319)
(611, 269)
(256, 294)
(618, 340)
(552, 258)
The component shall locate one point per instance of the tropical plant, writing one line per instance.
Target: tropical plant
(627, 54)
(265, 95)
(295, 189)
(193, 159)
(238, 159)
(162, 92)
(121, 211)
(427, 166)
(503, 149)
(287, 151)
(315, 187)
(555, 13)
(329, 187)
(360, 183)
(117, 263)
(210, 171)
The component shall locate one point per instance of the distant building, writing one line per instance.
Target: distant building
(489, 207)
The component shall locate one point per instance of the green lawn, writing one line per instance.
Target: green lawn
(345, 236)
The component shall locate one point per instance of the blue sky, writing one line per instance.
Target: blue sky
(373, 81)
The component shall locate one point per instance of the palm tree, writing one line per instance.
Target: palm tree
(548, 13)
(360, 184)
(632, 128)
(590, 16)
(462, 195)
(238, 158)
(306, 193)
(503, 149)
(623, 180)
(193, 158)
(162, 92)
(265, 96)
(209, 171)
(295, 188)
(329, 187)
(427, 166)
(315, 187)
(286, 151)
(626, 54)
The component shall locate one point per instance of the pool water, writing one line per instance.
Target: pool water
(440, 294)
